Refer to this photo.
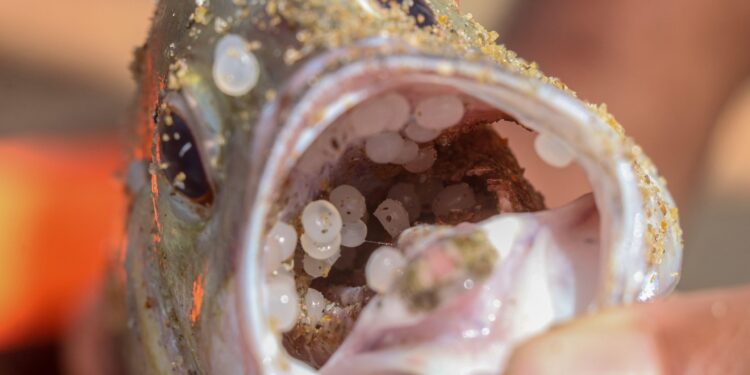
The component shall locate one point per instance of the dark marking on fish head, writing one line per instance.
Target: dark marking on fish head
(419, 9)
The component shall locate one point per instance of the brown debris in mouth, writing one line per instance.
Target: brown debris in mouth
(477, 155)
(316, 344)
(472, 153)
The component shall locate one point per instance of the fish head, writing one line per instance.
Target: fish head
(252, 115)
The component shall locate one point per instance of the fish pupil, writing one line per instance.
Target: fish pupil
(181, 160)
(419, 10)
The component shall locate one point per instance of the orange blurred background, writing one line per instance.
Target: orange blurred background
(63, 212)
(674, 72)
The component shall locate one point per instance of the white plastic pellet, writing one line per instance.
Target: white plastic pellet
(235, 70)
(458, 197)
(333, 142)
(398, 111)
(227, 42)
(279, 246)
(353, 234)
(320, 250)
(319, 267)
(387, 112)
(321, 221)
(315, 303)
(408, 152)
(419, 134)
(407, 195)
(383, 267)
(553, 151)
(383, 148)
(439, 112)
(349, 202)
(283, 303)
(393, 216)
(424, 161)
(314, 267)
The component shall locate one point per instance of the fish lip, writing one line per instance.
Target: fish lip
(601, 151)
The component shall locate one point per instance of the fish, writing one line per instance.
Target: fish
(322, 186)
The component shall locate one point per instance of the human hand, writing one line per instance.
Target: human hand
(695, 333)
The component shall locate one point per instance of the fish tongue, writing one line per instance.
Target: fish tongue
(545, 272)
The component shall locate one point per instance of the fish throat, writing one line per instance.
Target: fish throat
(403, 164)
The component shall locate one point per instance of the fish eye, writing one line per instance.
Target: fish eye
(418, 9)
(180, 156)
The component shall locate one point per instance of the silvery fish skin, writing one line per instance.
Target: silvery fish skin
(194, 275)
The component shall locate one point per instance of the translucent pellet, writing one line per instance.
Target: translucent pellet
(353, 234)
(387, 112)
(283, 303)
(279, 246)
(398, 112)
(383, 268)
(553, 151)
(393, 216)
(319, 267)
(439, 112)
(315, 303)
(228, 42)
(419, 134)
(331, 144)
(235, 70)
(408, 152)
(321, 221)
(383, 148)
(349, 202)
(424, 161)
(407, 195)
(283, 270)
(314, 267)
(320, 250)
(454, 198)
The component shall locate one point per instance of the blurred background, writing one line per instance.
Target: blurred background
(676, 73)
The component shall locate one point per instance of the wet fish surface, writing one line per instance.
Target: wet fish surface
(329, 192)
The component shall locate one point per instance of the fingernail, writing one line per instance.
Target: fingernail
(603, 346)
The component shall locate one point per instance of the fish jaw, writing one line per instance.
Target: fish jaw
(532, 286)
(300, 98)
(616, 172)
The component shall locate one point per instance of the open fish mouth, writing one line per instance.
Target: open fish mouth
(331, 192)
(394, 231)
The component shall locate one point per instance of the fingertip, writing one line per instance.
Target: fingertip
(607, 344)
(707, 332)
